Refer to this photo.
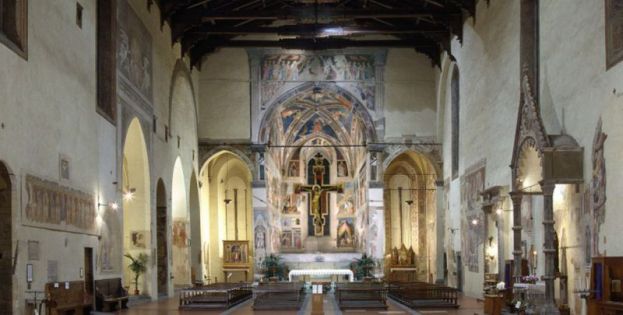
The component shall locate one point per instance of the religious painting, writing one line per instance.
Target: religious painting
(296, 238)
(598, 185)
(345, 232)
(290, 206)
(315, 67)
(53, 206)
(260, 237)
(317, 126)
(269, 90)
(63, 167)
(472, 225)
(342, 169)
(345, 205)
(365, 92)
(614, 32)
(286, 239)
(134, 52)
(138, 239)
(293, 169)
(180, 234)
(235, 253)
(291, 114)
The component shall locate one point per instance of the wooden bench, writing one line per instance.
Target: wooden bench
(110, 295)
(367, 295)
(278, 296)
(424, 295)
(68, 298)
(215, 296)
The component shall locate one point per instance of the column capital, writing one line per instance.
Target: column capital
(547, 187)
(516, 196)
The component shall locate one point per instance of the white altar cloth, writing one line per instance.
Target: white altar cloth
(322, 272)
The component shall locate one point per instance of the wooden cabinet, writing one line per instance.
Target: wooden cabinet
(493, 304)
(606, 294)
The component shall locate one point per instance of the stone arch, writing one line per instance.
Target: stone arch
(225, 180)
(431, 156)
(226, 148)
(181, 72)
(442, 90)
(410, 202)
(179, 224)
(136, 187)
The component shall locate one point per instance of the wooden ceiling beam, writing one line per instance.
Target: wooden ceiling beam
(210, 45)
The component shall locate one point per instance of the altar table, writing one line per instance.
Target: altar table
(322, 272)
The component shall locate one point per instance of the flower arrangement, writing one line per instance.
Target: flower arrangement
(530, 279)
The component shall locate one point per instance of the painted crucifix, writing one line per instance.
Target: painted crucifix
(317, 192)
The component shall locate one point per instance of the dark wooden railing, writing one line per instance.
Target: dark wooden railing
(215, 296)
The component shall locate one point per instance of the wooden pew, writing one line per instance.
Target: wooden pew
(369, 295)
(424, 295)
(278, 296)
(110, 294)
(215, 296)
(67, 299)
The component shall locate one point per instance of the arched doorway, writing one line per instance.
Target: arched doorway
(6, 242)
(180, 222)
(227, 209)
(162, 251)
(136, 206)
(410, 209)
(195, 231)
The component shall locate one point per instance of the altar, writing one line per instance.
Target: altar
(321, 273)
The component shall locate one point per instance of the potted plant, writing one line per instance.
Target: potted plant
(363, 267)
(138, 266)
(273, 267)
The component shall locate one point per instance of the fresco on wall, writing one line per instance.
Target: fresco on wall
(614, 32)
(472, 225)
(300, 67)
(134, 51)
(345, 233)
(316, 126)
(354, 72)
(598, 186)
(51, 205)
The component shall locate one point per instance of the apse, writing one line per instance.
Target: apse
(410, 210)
(226, 212)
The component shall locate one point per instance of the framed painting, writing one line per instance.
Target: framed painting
(235, 254)
(614, 32)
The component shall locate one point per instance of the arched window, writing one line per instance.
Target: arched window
(454, 89)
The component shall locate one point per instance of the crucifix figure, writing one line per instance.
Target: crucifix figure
(315, 191)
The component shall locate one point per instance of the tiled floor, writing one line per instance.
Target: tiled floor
(469, 306)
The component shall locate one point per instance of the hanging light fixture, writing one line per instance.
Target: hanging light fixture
(128, 192)
(226, 200)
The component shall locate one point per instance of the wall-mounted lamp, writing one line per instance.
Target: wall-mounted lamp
(475, 222)
(409, 202)
(112, 205)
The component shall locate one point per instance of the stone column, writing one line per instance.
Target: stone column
(517, 197)
(547, 187)
(441, 228)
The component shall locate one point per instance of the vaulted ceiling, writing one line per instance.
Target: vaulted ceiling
(202, 26)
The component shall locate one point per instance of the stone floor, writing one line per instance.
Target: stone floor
(469, 306)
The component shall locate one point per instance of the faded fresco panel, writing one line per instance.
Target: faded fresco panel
(472, 225)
